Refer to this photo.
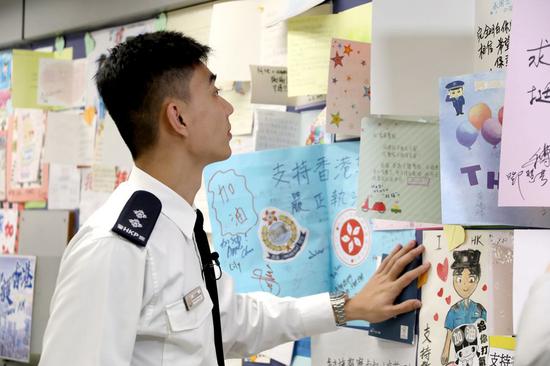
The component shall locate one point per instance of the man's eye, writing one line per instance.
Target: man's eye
(472, 279)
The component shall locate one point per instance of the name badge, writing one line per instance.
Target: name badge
(193, 298)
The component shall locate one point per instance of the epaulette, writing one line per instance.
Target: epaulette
(138, 217)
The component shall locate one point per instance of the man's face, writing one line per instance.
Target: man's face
(207, 118)
(465, 283)
(455, 93)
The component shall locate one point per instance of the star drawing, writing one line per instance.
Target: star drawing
(337, 60)
(347, 49)
(336, 119)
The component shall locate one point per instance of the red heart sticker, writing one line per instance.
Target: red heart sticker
(436, 316)
(440, 292)
(484, 288)
(448, 300)
(443, 270)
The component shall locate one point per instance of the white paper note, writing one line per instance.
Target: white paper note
(269, 85)
(110, 148)
(69, 139)
(277, 129)
(348, 343)
(63, 187)
(61, 82)
(235, 39)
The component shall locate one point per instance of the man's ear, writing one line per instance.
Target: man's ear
(175, 116)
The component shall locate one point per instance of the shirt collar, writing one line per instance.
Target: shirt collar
(173, 205)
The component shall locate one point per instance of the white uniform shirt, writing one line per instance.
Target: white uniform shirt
(533, 341)
(119, 304)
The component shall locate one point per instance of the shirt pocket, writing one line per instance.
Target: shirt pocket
(181, 319)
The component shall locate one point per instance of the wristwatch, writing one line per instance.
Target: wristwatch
(338, 300)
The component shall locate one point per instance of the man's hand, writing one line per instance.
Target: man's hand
(375, 301)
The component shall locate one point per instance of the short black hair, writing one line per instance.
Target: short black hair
(474, 270)
(136, 77)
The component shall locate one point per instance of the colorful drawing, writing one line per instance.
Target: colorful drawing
(348, 96)
(470, 155)
(463, 297)
(16, 297)
(455, 94)
(399, 171)
(20, 162)
(272, 213)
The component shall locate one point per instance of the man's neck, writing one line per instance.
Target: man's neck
(180, 175)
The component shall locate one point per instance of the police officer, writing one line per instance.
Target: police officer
(136, 285)
(455, 94)
(466, 274)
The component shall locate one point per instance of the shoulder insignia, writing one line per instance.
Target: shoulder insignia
(138, 217)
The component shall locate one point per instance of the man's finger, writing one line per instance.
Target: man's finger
(391, 262)
(402, 262)
(411, 275)
(405, 307)
(384, 263)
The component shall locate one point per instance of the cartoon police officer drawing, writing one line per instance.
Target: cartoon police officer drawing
(455, 94)
(466, 275)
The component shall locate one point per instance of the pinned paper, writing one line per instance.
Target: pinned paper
(235, 39)
(276, 129)
(309, 46)
(269, 85)
(399, 171)
(348, 97)
(455, 235)
(25, 76)
(61, 83)
(493, 27)
(525, 148)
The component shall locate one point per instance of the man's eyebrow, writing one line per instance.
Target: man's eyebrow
(212, 78)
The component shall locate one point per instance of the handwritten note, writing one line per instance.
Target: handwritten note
(493, 27)
(406, 41)
(272, 212)
(525, 147)
(309, 46)
(64, 187)
(69, 139)
(352, 347)
(471, 119)
(25, 76)
(399, 178)
(61, 82)
(348, 97)
(276, 129)
(269, 85)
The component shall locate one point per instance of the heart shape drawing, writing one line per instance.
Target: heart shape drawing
(440, 292)
(443, 270)
(448, 300)
(436, 316)
(484, 288)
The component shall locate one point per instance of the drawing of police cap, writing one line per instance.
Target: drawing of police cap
(281, 235)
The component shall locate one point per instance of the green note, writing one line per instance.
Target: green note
(399, 171)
